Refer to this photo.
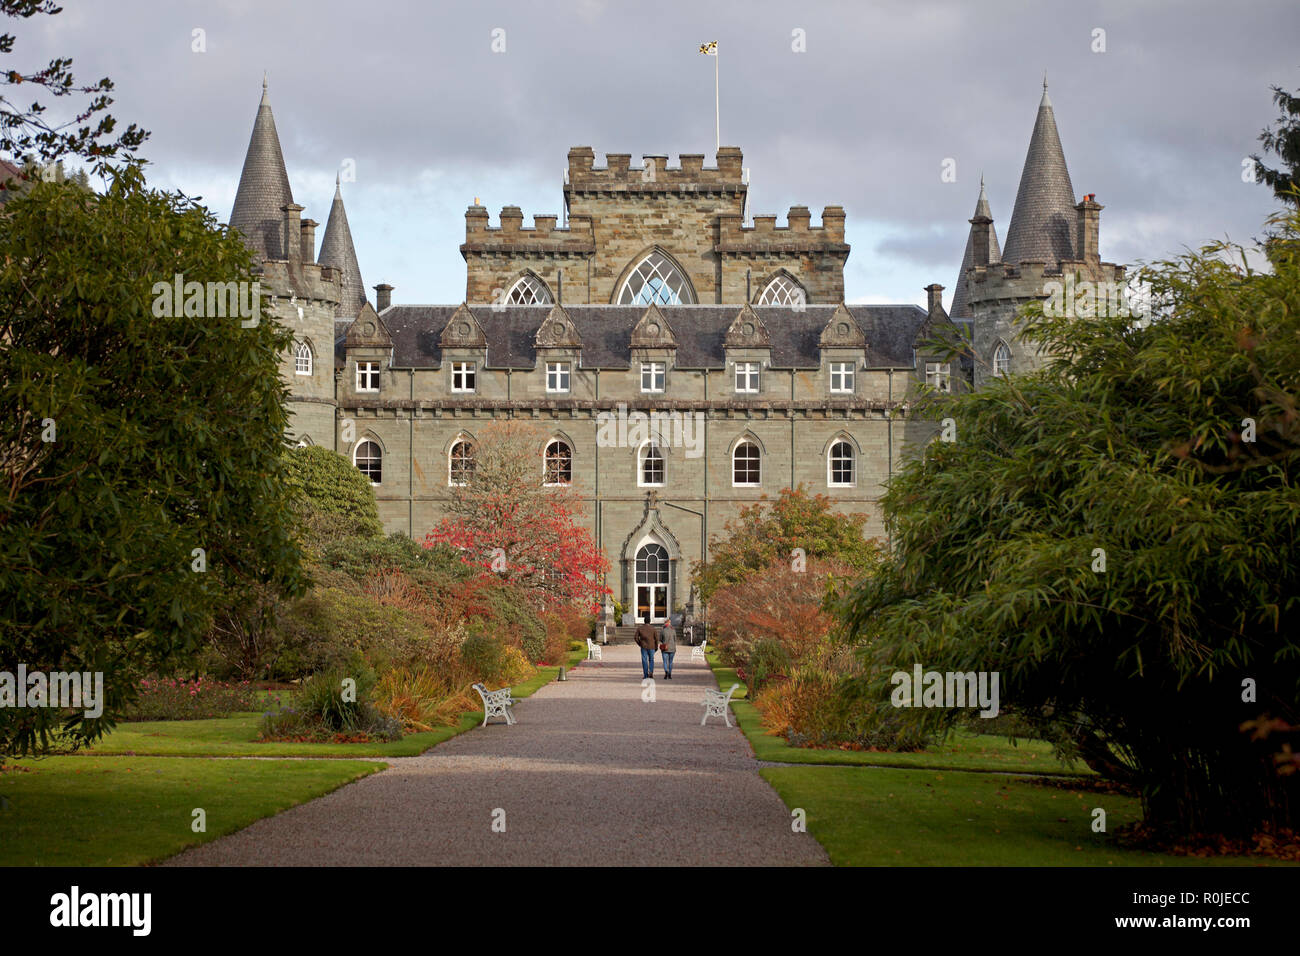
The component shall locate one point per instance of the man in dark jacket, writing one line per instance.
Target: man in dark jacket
(647, 638)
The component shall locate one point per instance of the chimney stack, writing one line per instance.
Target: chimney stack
(309, 239)
(383, 296)
(981, 231)
(293, 232)
(1087, 227)
(934, 297)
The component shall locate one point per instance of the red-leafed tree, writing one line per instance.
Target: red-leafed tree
(506, 518)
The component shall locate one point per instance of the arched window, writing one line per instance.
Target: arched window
(462, 463)
(652, 465)
(745, 465)
(369, 460)
(656, 279)
(839, 465)
(1001, 359)
(782, 290)
(558, 459)
(528, 290)
(302, 359)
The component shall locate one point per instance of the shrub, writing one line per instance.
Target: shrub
(326, 628)
(780, 604)
(165, 698)
(333, 499)
(818, 706)
(324, 706)
(768, 659)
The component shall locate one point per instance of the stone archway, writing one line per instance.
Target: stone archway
(649, 562)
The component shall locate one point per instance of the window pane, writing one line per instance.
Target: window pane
(559, 464)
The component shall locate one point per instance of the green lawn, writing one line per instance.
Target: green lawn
(122, 811)
(867, 816)
(236, 736)
(959, 751)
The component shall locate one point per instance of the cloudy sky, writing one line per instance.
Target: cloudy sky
(431, 116)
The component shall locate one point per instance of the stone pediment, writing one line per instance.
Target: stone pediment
(747, 331)
(368, 331)
(557, 331)
(462, 331)
(652, 331)
(842, 331)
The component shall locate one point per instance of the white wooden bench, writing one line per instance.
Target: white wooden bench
(496, 703)
(697, 652)
(593, 650)
(716, 703)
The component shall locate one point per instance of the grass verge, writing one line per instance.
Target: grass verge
(123, 811)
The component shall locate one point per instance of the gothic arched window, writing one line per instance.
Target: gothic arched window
(528, 290)
(1001, 359)
(369, 460)
(839, 465)
(558, 459)
(302, 359)
(652, 465)
(782, 290)
(462, 463)
(745, 468)
(655, 279)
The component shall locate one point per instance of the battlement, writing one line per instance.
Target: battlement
(511, 235)
(654, 174)
(302, 280)
(1000, 282)
(766, 235)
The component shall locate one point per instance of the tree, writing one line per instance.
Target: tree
(1118, 536)
(1283, 140)
(27, 132)
(768, 532)
(141, 454)
(504, 519)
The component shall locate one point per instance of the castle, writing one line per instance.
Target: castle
(656, 298)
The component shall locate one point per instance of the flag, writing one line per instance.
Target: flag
(709, 49)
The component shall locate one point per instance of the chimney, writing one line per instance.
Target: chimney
(383, 296)
(1087, 227)
(980, 233)
(309, 239)
(934, 297)
(293, 232)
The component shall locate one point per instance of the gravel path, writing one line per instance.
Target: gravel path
(590, 775)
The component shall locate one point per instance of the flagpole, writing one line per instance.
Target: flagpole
(717, 105)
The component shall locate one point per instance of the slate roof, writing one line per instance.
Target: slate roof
(1042, 223)
(337, 250)
(960, 290)
(606, 331)
(263, 187)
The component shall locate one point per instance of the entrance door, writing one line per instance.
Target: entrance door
(651, 584)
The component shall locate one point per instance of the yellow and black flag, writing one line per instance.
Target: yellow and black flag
(710, 48)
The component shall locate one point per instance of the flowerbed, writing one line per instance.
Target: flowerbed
(165, 698)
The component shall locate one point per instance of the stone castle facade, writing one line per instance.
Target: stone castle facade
(654, 297)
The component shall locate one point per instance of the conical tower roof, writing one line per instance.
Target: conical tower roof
(263, 187)
(1042, 222)
(959, 307)
(336, 250)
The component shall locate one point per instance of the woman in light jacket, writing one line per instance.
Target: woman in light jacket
(668, 647)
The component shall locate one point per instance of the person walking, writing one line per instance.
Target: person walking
(646, 638)
(668, 647)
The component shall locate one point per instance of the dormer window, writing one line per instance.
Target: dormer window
(652, 376)
(367, 376)
(938, 376)
(747, 377)
(557, 376)
(464, 377)
(842, 378)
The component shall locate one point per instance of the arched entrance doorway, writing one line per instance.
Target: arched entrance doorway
(652, 572)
